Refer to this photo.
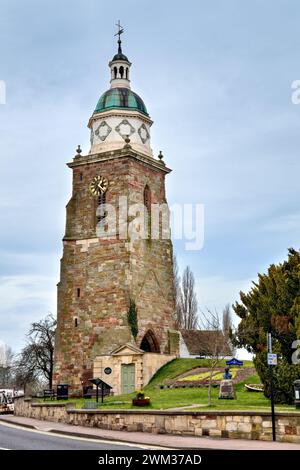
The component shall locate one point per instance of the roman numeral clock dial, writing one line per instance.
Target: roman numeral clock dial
(98, 185)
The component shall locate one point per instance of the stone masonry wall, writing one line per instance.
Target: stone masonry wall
(234, 424)
(98, 277)
(145, 367)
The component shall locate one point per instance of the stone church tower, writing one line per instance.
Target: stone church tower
(106, 269)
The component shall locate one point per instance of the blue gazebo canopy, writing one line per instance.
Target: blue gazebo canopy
(234, 362)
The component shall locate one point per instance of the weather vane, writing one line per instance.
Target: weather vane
(120, 31)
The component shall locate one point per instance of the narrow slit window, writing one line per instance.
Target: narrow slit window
(147, 204)
(76, 322)
(78, 292)
(101, 202)
(147, 198)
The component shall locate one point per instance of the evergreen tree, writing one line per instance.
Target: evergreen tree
(132, 318)
(273, 305)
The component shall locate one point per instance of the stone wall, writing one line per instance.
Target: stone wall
(115, 363)
(99, 276)
(234, 424)
(152, 363)
(46, 411)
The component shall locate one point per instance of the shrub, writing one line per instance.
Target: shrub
(284, 375)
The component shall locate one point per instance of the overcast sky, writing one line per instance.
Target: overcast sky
(216, 78)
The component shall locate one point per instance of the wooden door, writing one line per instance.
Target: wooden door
(128, 378)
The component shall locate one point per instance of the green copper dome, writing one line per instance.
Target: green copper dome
(120, 98)
(120, 56)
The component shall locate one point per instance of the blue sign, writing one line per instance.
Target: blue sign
(272, 359)
(234, 362)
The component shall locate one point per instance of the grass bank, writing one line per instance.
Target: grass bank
(179, 397)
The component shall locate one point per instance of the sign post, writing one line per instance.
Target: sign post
(104, 386)
(97, 382)
(272, 361)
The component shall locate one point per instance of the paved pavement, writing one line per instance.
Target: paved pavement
(146, 439)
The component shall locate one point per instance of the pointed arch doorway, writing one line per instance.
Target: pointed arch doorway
(149, 343)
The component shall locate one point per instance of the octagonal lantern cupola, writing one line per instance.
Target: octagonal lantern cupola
(120, 113)
(119, 69)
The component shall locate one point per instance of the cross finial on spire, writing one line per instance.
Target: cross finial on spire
(120, 31)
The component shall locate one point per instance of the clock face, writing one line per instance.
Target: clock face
(98, 185)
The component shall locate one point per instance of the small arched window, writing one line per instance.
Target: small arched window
(121, 71)
(115, 72)
(127, 73)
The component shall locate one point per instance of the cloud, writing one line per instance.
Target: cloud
(283, 223)
(24, 299)
(222, 116)
(214, 292)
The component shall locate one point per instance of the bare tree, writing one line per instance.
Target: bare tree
(6, 365)
(227, 321)
(26, 373)
(214, 346)
(189, 305)
(228, 326)
(177, 293)
(37, 358)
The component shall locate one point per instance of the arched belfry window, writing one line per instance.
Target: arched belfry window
(147, 204)
(121, 71)
(115, 72)
(127, 73)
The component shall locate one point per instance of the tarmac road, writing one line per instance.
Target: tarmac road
(18, 438)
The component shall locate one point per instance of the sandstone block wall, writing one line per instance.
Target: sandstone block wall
(226, 424)
(99, 277)
(145, 367)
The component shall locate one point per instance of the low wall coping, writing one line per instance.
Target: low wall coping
(185, 413)
(52, 405)
(70, 408)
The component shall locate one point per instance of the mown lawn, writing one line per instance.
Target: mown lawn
(180, 397)
(176, 398)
